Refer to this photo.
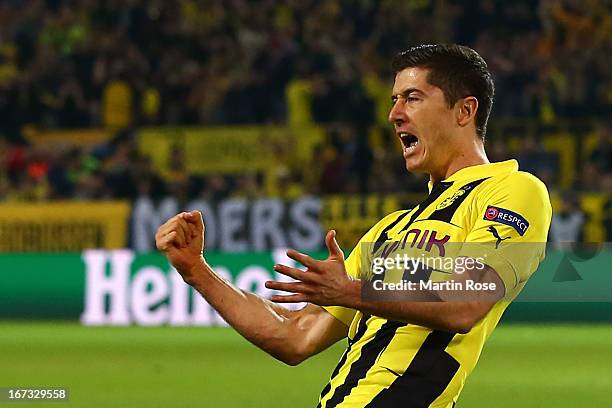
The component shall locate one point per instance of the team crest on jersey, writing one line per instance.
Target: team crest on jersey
(448, 201)
(507, 217)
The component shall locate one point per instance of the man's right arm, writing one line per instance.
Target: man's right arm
(290, 336)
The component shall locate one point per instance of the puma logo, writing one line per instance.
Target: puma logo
(493, 231)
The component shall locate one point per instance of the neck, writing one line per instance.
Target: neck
(466, 156)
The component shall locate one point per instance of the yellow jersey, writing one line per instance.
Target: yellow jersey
(496, 209)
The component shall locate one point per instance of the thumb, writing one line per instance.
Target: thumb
(332, 245)
(195, 218)
(199, 221)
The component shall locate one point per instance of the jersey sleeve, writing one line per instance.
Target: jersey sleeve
(510, 228)
(354, 264)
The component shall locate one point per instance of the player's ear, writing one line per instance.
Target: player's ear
(466, 110)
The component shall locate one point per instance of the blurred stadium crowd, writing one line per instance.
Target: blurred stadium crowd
(122, 65)
(85, 63)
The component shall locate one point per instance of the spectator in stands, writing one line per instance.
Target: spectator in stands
(601, 157)
(117, 99)
(567, 223)
(597, 169)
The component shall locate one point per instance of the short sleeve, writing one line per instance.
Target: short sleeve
(510, 227)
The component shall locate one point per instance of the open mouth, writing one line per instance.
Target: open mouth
(409, 141)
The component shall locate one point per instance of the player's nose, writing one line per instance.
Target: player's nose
(397, 114)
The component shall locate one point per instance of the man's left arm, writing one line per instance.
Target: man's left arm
(326, 283)
(519, 212)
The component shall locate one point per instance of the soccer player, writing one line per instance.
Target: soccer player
(400, 353)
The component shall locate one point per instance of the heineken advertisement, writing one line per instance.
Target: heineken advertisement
(121, 287)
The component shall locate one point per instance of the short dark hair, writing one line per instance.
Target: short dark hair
(458, 71)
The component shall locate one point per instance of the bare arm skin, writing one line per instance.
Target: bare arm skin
(454, 316)
(327, 283)
(289, 336)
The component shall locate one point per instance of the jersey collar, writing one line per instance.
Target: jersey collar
(481, 171)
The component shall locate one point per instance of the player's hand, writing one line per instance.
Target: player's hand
(324, 283)
(181, 239)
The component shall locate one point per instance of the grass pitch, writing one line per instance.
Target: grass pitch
(521, 366)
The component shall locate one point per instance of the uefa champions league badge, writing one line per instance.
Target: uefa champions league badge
(507, 217)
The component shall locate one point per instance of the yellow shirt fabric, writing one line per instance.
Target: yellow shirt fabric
(391, 363)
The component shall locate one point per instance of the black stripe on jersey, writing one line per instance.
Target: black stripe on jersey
(361, 329)
(383, 237)
(436, 192)
(369, 353)
(446, 214)
(427, 376)
(423, 273)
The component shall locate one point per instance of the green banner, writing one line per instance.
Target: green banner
(120, 287)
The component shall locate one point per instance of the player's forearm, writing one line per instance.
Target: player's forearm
(458, 317)
(265, 324)
(451, 317)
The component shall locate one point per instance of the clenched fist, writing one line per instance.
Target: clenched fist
(181, 239)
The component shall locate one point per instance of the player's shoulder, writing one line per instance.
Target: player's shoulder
(517, 199)
(519, 191)
(527, 179)
(518, 182)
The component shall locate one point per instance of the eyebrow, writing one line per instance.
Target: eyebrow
(406, 92)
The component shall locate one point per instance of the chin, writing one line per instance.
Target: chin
(415, 167)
